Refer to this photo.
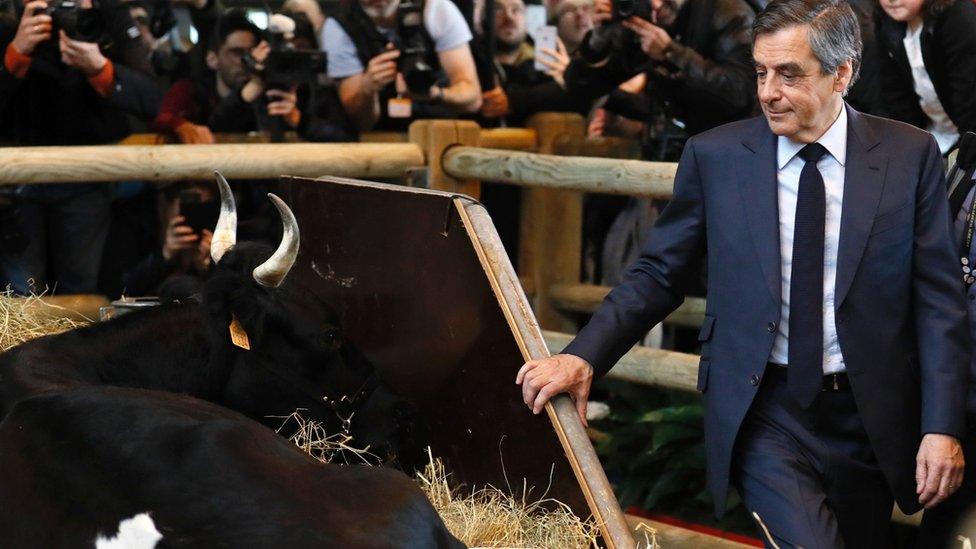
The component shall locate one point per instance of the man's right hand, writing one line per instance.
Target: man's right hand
(179, 237)
(33, 29)
(380, 72)
(194, 134)
(546, 378)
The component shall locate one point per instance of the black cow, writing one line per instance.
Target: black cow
(75, 463)
(297, 356)
(142, 414)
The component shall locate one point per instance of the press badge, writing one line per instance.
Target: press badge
(399, 107)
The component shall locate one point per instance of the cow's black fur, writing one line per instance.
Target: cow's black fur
(76, 462)
(297, 357)
(143, 414)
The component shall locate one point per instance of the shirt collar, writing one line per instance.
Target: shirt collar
(834, 140)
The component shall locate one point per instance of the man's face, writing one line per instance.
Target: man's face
(799, 101)
(903, 10)
(575, 20)
(141, 19)
(230, 68)
(380, 10)
(664, 12)
(509, 24)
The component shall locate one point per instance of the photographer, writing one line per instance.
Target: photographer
(387, 55)
(167, 27)
(696, 54)
(524, 90)
(232, 99)
(69, 75)
(183, 256)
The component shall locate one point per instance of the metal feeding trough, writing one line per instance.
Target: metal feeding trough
(423, 286)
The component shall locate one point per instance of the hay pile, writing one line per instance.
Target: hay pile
(490, 517)
(25, 318)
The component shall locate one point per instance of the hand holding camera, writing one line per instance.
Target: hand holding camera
(255, 85)
(381, 71)
(654, 40)
(282, 103)
(35, 27)
(84, 56)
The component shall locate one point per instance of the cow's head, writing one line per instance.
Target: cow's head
(298, 357)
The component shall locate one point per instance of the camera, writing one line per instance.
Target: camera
(625, 9)
(414, 48)
(84, 24)
(285, 65)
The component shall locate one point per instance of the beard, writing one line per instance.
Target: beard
(508, 46)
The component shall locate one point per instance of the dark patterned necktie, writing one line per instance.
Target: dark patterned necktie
(805, 374)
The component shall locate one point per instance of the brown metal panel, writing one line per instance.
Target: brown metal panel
(418, 295)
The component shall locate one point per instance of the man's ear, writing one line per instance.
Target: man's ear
(842, 80)
(212, 60)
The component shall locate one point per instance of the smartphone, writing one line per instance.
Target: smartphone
(535, 18)
(545, 37)
(197, 213)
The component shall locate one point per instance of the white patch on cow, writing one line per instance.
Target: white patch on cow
(138, 532)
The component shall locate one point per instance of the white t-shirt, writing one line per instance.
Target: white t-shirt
(946, 133)
(442, 19)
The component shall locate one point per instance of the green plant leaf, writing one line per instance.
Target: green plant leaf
(669, 484)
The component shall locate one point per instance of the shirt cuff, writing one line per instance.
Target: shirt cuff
(16, 62)
(102, 81)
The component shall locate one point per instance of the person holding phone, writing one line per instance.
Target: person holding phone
(181, 262)
(530, 77)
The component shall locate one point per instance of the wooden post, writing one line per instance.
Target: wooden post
(436, 136)
(551, 236)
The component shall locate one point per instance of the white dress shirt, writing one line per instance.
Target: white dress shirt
(831, 166)
(945, 132)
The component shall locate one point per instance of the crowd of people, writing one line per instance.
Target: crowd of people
(660, 71)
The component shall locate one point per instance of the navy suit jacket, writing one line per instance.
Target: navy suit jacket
(900, 310)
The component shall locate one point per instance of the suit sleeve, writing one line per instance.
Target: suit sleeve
(652, 286)
(940, 308)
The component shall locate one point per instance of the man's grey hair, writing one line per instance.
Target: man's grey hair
(835, 35)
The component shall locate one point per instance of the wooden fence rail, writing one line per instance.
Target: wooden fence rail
(585, 298)
(573, 173)
(20, 165)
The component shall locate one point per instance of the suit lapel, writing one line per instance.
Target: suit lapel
(863, 184)
(760, 202)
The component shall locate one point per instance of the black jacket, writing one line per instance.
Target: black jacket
(949, 51)
(530, 91)
(708, 78)
(55, 105)
(322, 116)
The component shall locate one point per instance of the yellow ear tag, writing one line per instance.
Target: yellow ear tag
(238, 336)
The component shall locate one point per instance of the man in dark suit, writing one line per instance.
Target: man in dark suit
(834, 345)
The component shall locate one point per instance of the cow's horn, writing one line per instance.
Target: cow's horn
(273, 271)
(225, 233)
